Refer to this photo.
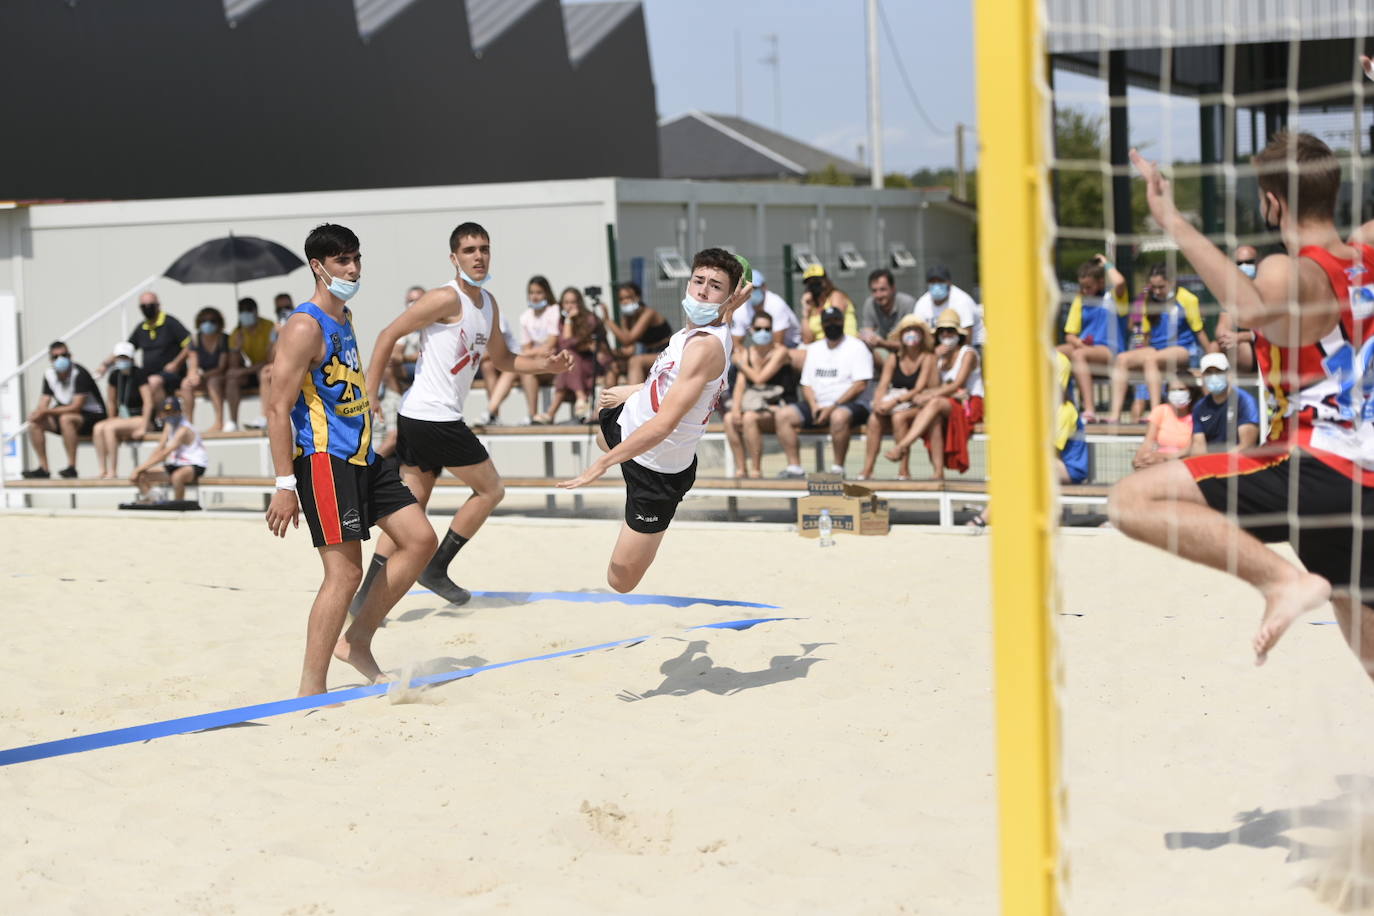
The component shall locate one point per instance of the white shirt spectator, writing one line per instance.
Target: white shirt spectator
(830, 371)
(927, 310)
(538, 326)
(784, 319)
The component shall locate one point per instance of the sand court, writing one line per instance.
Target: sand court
(838, 762)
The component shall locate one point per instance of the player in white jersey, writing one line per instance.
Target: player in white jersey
(651, 430)
(458, 325)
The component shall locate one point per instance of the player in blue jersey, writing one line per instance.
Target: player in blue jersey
(328, 468)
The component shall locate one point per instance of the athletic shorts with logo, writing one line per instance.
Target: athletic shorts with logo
(432, 445)
(1329, 507)
(651, 497)
(342, 501)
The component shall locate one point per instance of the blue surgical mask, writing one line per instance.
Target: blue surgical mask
(1248, 270)
(247, 319)
(761, 337)
(1215, 383)
(471, 282)
(341, 288)
(62, 363)
(939, 291)
(124, 364)
(539, 304)
(700, 313)
(208, 327)
(911, 338)
(756, 298)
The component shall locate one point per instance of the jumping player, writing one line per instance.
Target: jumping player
(1316, 352)
(455, 323)
(652, 429)
(345, 489)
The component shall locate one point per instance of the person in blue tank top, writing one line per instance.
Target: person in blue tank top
(344, 489)
(1092, 329)
(1173, 337)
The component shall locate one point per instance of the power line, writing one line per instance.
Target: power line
(906, 80)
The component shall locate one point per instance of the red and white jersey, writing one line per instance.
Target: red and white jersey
(676, 452)
(1325, 391)
(449, 357)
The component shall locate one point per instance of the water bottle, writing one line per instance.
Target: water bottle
(826, 530)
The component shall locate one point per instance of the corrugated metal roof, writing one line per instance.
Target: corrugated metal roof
(373, 15)
(586, 24)
(234, 10)
(810, 158)
(1098, 25)
(701, 145)
(488, 19)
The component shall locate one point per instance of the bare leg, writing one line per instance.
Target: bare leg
(1162, 505)
(215, 386)
(734, 434)
(640, 366)
(937, 449)
(933, 409)
(873, 440)
(38, 439)
(901, 424)
(530, 385)
(559, 396)
(158, 390)
(789, 422)
(187, 393)
(180, 479)
(413, 542)
(343, 570)
(840, 433)
(633, 554)
(71, 434)
(504, 383)
(102, 435)
(233, 390)
(755, 425)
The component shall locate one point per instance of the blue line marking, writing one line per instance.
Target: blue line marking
(609, 598)
(181, 726)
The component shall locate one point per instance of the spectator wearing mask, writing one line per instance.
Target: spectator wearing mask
(948, 411)
(941, 295)
(786, 327)
(1239, 343)
(766, 383)
(206, 364)
(179, 458)
(539, 328)
(397, 378)
(70, 406)
(834, 393)
(1170, 431)
(640, 335)
(160, 339)
(130, 402)
(901, 380)
(578, 336)
(1226, 417)
(883, 308)
(1170, 334)
(1092, 329)
(820, 295)
(250, 359)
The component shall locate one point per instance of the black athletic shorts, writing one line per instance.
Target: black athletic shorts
(88, 421)
(858, 413)
(651, 497)
(171, 468)
(1328, 503)
(432, 445)
(342, 501)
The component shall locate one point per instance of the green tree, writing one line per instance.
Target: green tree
(830, 175)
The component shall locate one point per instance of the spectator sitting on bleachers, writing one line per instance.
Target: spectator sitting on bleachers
(250, 359)
(940, 296)
(1168, 327)
(949, 410)
(206, 364)
(1226, 417)
(282, 307)
(901, 380)
(766, 383)
(1239, 343)
(1092, 329)
(578, 335)
(130, 402)
(821, 294)
(179, 458)
(786, 327)
(70, 406)
(834, 393)
(1170, 433)
(539, 326)
(883, 308)
(640, 335)
(160, 339)
(498, 383)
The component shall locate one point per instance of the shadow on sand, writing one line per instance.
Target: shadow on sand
(693, 670)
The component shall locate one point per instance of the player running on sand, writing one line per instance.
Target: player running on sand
(652, 429)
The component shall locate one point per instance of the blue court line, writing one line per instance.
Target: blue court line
(181, 726)
(609, 598)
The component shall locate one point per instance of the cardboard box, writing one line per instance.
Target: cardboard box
(853, 509)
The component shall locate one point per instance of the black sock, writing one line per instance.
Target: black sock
(448, 549)
(378, 561)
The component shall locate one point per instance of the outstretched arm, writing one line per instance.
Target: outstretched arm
(499, 355)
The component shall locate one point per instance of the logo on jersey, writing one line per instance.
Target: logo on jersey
(658, 382)
(469, 355)
(353, 398)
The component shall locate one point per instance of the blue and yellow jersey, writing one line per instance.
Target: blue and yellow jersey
(1098, 321)
(332, 413)
(1069, 442)
(1179, 323)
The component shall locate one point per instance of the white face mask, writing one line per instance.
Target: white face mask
(911, 338)
(949, 340)
(629, 308)
(1179, 397)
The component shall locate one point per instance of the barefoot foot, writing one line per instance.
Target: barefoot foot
(360, 657)
(1285, 603)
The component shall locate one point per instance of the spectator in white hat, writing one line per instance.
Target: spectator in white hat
(1227, 417)
(130, 399)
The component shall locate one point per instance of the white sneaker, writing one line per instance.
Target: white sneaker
(259, 423)
(489, 419)
(837, 469)
(229, 427)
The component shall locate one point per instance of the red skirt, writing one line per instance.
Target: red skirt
(958, 429)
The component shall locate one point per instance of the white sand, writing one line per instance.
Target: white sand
(837, 764)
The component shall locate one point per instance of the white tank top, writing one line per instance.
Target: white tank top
(449, 357)
(676, 452)
(974, 384)
(193, 454)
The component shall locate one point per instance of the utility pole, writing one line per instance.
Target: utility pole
(772, 60)
(875, 117)
(961, 186)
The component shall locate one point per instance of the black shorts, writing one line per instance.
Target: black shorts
(171, 384)
(432, 445)
(1325, 537)
(88, 421)
(858, 413)
(342, 501)
(651, 497)
(171, 468)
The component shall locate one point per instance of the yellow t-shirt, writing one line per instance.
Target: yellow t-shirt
(851, 321)
(1066, 425)
(254, 343)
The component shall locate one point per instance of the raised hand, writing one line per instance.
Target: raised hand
(1158, 191)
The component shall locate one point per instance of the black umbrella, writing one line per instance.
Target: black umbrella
(233, 259)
